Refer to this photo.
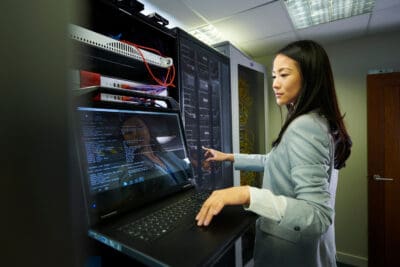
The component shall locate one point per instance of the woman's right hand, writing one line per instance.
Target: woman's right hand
(215, 155)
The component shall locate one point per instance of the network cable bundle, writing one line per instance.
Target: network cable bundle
(246, 133)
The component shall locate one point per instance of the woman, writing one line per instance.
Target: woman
(296, 203)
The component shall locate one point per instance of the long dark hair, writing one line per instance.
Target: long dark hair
(317, 93)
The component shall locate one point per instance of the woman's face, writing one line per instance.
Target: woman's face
(286, 80)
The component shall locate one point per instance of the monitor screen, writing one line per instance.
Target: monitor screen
(130, 156)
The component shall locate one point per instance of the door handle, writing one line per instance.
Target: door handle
(378, 178)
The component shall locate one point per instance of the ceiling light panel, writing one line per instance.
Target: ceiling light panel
(208, 34)
(306, 13)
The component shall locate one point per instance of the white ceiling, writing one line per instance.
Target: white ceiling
(260, 27)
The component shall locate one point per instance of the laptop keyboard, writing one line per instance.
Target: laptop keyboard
(161, 222)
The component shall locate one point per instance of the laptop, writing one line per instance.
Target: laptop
(140, 194)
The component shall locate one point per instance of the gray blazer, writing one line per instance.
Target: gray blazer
(301, 169)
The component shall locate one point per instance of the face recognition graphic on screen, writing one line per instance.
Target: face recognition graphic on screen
(139, 152)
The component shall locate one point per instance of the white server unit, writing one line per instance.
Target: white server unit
(249, 104)
(246, 71)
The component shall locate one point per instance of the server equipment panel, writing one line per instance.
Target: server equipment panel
(204, 82)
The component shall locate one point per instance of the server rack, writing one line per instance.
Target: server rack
(204, 83)
(109, 19)
(248, 81)
(254, 75)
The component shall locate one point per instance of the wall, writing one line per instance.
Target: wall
(351, 61)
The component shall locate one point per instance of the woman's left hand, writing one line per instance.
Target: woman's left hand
(238, 195)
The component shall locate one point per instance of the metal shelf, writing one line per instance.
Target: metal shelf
(97, 40)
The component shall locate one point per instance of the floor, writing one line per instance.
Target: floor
(339, 264)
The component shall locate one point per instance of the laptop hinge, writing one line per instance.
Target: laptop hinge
(187, 185)
(108, 214)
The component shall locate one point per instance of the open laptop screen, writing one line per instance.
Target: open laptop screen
(130, 157)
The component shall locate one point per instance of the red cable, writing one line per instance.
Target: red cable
(165, 83)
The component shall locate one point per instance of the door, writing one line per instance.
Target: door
(383, 100)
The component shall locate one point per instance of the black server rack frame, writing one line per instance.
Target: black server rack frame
(205, 100)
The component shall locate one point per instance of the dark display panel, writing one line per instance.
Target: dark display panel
(205, 102)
